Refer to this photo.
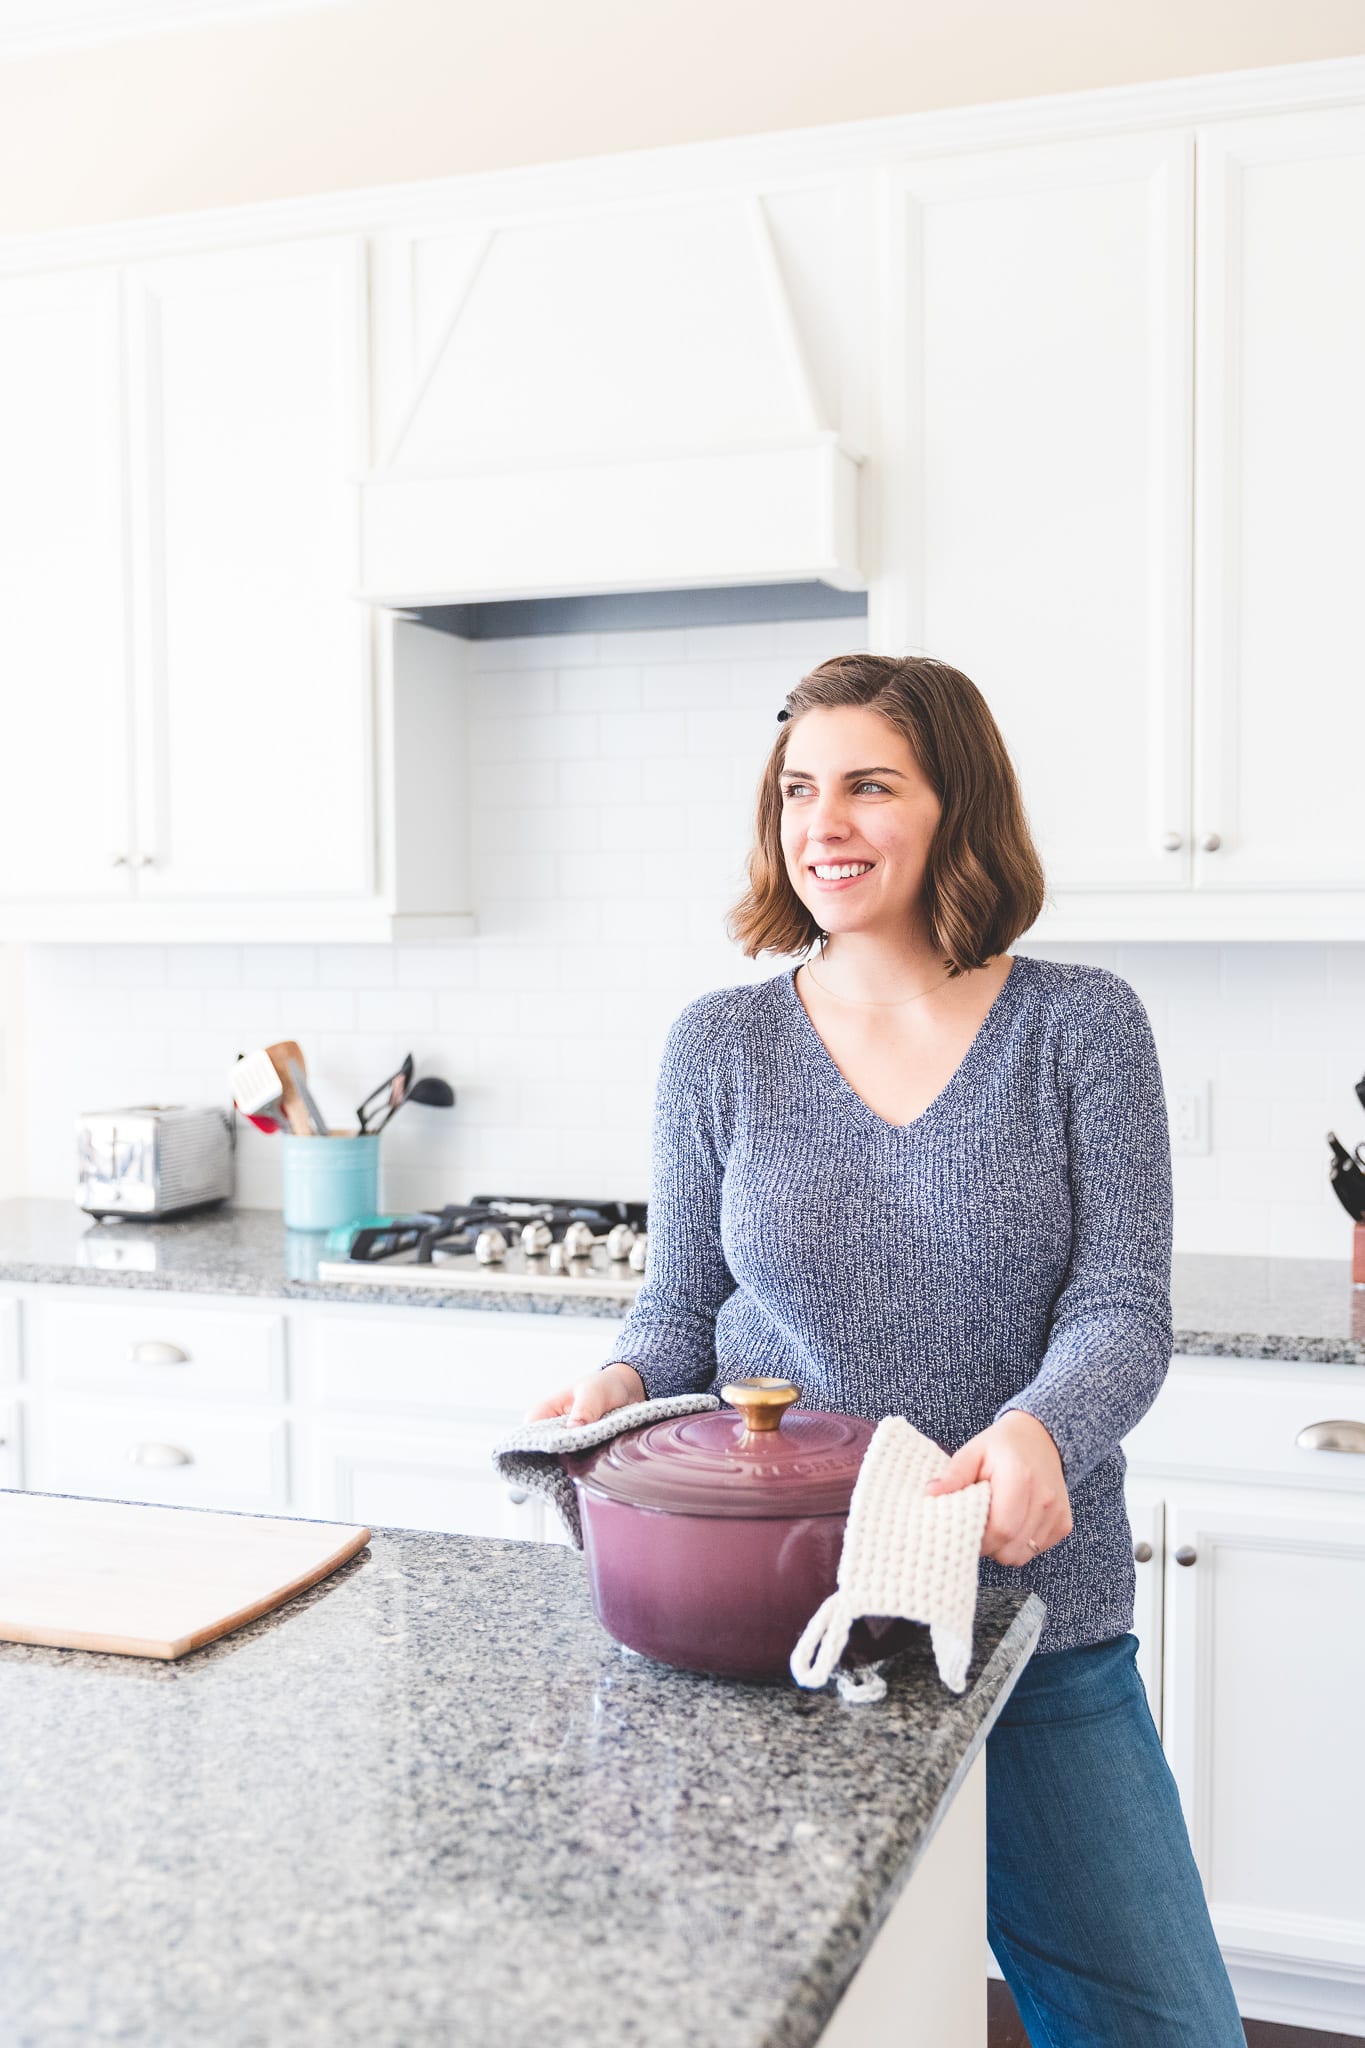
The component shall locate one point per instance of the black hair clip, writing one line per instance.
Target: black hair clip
(784, 713)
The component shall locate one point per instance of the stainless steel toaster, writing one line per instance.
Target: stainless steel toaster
(153, 1160)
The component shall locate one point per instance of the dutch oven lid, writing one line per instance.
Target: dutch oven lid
(754, 1460)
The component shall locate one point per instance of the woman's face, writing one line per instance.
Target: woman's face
(853, 795)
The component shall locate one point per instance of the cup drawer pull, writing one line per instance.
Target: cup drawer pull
(152, 1351)
(1332, 1436)
(159, 1454)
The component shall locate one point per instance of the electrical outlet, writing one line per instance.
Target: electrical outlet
(1188, 1110)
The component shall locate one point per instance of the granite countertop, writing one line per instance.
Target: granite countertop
(1224, 1306)
(430, 1802)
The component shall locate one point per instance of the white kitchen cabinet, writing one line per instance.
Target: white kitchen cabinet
(160, 1347)
(398, 1412)
(1036, 502)
(1279, 514)
(1265, 1673)
(439, 1476)
(179, 1453)
(208, 734)
(11, 1444)
(246, 416)
(1147, 1517)
(66, 816)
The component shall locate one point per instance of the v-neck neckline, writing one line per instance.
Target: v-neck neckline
(839, 1085)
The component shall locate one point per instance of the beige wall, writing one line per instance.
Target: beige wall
(372, 92)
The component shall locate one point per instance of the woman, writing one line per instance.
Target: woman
(920, 1176)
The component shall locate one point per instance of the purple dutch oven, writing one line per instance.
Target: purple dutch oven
(711, 1539)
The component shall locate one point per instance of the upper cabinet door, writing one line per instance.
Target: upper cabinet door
(1280, 513)
(1035, 517)
(65, 820)
(247, 413)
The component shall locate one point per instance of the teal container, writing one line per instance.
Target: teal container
(329, 1181)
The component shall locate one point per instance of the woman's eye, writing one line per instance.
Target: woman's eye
(792, 788)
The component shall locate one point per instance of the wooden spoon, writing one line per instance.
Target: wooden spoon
(290, 1099)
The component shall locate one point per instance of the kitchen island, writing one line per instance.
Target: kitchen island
(430, 1802)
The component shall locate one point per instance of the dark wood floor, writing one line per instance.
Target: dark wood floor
(1006, 2029)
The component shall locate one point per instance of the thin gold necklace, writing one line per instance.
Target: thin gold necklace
(871, 1003)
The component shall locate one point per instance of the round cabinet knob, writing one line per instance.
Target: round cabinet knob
(1142, 1553)
(118, 860)
(1211, 842)
(518, 1496)
(762, 1402)
(144, 860)
(1186, 1554)
(159, 1454)
(153, 1352)
(1173, 842)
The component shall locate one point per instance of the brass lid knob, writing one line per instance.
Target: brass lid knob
(762, 1402)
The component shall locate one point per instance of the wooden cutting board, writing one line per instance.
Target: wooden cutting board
(150, 1582)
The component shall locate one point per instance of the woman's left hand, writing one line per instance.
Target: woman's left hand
(1028, 1493)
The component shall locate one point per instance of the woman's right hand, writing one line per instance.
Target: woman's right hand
(588, 1400)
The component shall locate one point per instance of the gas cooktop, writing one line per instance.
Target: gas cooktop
(523, 1241)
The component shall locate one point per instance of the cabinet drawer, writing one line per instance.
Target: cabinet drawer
(1240, 1418)
(153, 1346)
(467, 1365)
(167, 1452)
(438, 1477)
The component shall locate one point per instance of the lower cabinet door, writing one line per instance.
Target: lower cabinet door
(432, 1478)
(1147, 1518)
(1264, 1686)
(11, 1462)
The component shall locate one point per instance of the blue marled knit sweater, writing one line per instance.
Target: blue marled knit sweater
(1010, 1248)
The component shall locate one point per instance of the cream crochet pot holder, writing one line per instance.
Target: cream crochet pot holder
(905, 1553)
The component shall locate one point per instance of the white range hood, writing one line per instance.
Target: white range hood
(624, 399)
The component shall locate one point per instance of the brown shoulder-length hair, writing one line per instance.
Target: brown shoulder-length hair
(983, 883)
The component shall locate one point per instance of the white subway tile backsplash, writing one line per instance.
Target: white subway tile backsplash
(612, 803)
(202, 966)
(599, 783)
(600, 689)
(522, 693)
(357, 966)
(279, 966)
(402, 1011)
(436, 966)
(639, 734)
(130, 966)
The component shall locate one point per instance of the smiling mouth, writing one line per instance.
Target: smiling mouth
(838, 874)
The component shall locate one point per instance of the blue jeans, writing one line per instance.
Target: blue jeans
(1095, 1909)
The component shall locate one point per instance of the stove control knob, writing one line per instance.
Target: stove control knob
(637, 1253)
(490, 1247)
(556, 1258)
(577, 1240)
(620, 1238)
(536, 1237)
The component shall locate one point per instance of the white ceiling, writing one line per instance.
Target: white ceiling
(33, 25)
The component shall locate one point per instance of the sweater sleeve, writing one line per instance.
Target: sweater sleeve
(1109, 1334)
(669, 1335)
